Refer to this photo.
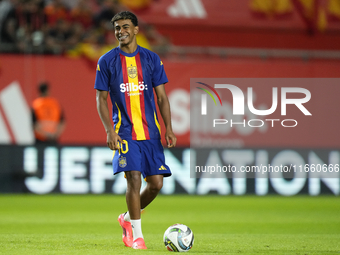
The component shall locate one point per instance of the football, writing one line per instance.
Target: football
(178, 238)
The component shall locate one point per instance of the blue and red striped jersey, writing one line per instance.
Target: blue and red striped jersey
(130, 79)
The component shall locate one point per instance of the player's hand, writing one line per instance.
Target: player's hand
(113, 140)
(170, 138)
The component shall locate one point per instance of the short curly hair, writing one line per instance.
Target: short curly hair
(43, 87)
(125, 15)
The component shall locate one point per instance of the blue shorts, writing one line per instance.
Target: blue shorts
(146, 156)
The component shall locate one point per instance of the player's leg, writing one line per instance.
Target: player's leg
(154, 184)
(154, 172)
(134, 183)
(131, 220)
(132, 196)
(128, 160)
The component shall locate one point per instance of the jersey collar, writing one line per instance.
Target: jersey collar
(129, 54)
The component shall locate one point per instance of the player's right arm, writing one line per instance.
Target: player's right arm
(112, 138)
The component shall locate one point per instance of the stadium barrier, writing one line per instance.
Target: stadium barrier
(87, 169)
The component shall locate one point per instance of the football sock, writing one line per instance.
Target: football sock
(136, 229)
(127, 215)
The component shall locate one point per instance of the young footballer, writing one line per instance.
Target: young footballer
(130, 74)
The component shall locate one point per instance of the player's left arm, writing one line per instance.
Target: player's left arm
(164, 108)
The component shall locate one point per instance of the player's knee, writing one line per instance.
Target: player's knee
(133, 180)
(156, 186)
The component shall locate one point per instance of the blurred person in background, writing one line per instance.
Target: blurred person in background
(82, 13)
(55, 11)
(32, 24)
(77, 27)
(8, 24)
(137, 5)
(63, 36)
(60, 33)
(24, 25)
(131, 74)
(48, 117)
(98, 38)
(5, 8)
(108, 9)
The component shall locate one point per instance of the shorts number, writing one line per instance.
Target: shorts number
(122, 145)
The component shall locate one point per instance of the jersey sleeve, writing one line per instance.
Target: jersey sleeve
(102, 75)
(158, 75)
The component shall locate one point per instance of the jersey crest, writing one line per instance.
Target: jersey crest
(122, 162)
(132, 71)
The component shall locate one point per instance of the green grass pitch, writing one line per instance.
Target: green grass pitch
(87, 224)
